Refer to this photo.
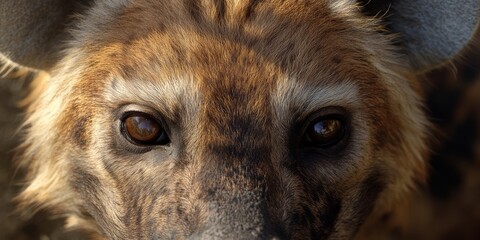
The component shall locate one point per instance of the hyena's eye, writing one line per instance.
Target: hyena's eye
(325, 132)
(143, 129)
(329, 130)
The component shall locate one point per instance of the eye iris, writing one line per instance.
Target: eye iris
(142, 129)
(325, 132)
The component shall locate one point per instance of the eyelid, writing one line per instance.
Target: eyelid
(325, 112)
(128, 114)
(132, 107)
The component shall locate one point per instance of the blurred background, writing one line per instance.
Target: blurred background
(448, 207)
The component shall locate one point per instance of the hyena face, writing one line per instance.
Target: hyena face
(225, 119)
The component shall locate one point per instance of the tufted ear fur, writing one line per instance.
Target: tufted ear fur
(31, 32)
(431, 31)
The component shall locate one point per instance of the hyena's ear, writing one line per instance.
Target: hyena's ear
(32, 31)
(431, 31)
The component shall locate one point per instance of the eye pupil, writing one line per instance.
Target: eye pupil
(143, 129)
(326, 132)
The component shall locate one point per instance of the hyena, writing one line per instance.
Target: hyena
(226, 119)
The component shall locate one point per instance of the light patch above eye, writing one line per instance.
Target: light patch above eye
(294, 98)
(165, 94)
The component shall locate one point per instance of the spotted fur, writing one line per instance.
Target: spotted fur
(234, 81)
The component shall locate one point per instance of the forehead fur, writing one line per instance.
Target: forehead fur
(184, 33)
(318, 47)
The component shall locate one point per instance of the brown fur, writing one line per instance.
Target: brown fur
(234, 81)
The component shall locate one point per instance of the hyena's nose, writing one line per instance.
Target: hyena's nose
(237, 215)
(236, 176)
(238, 197)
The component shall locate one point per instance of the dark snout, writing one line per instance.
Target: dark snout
(236, 202)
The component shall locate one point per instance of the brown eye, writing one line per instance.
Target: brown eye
(143, 129)
(325, 132)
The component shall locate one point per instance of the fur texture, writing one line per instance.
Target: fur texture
(234, 82)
